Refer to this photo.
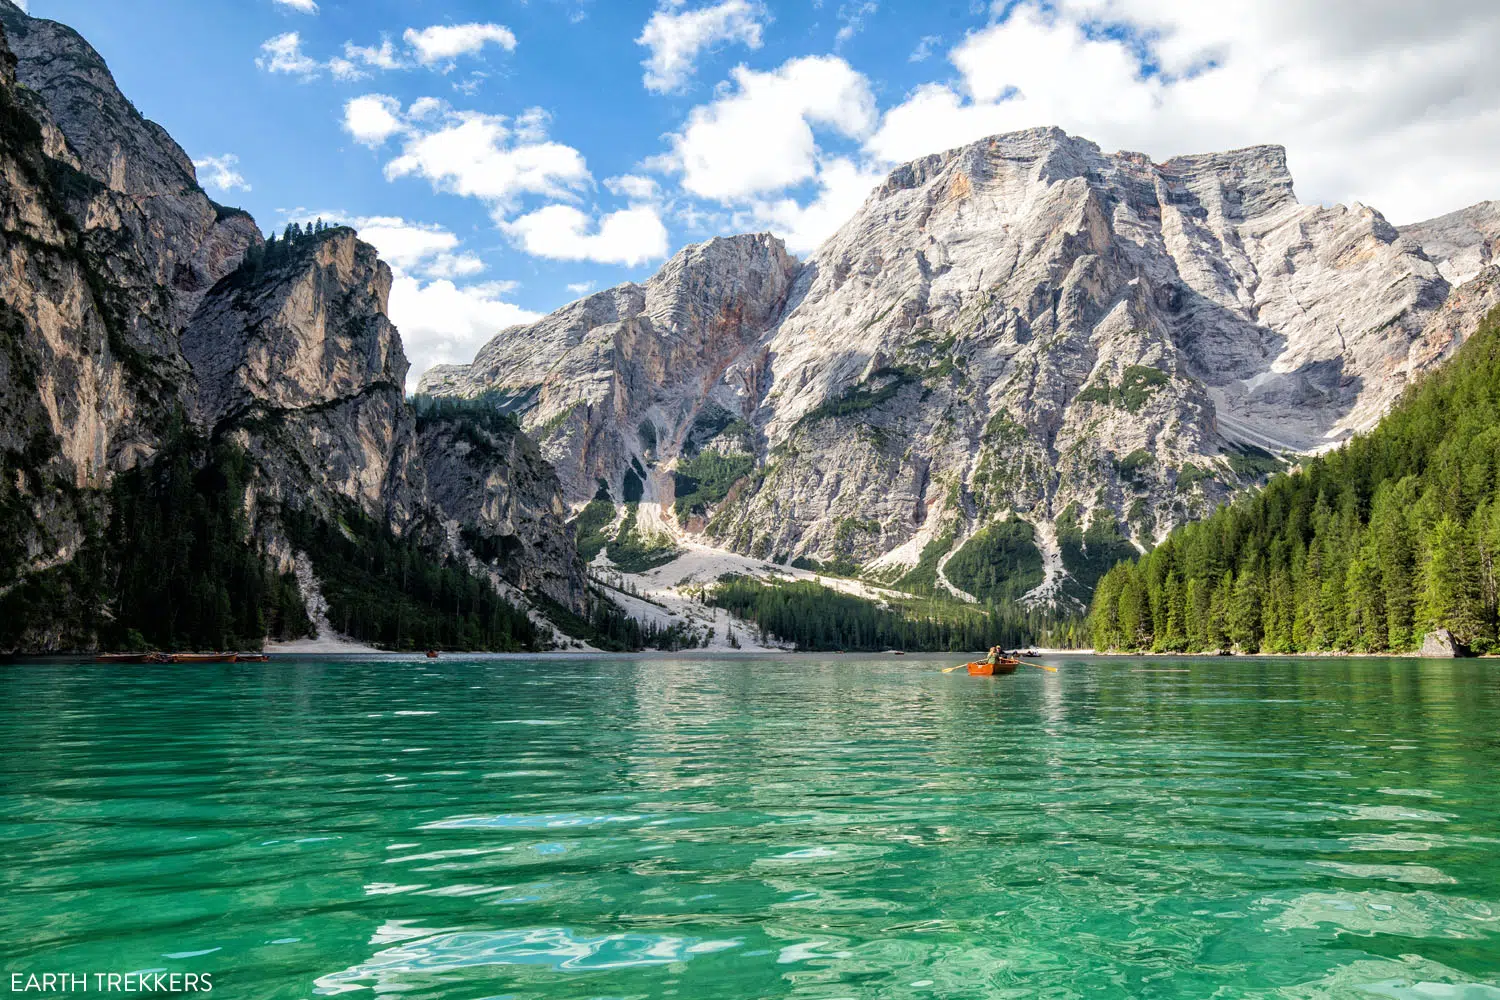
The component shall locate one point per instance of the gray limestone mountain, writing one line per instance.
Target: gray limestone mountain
(130, 302)
(109, 244)
(1024, 329)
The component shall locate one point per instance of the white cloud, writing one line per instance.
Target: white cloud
(634, 187)
(758, 136)
(677, 37)
(444, 323)
(424, 108)
(435, 47)
(478, 156)
(924, 48)
(852, 18)
(631, 236)
(283, 54)
(373, 118)
(531, 125)
(357, 60)
(407, 246)
(500, 161)
(581, 287)
(469, 85)
(305, 6)
(221, 172)
(843, 186)
(1388, 103)
(442, 43)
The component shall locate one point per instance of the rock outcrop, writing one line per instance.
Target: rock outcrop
(107, 244)
(302, 366)
(132, 305)
(1463, 243)
(1025, 326)
(1442, 644)
(504, 503)
(622, 377)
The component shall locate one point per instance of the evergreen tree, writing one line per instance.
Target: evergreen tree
(1362, 549)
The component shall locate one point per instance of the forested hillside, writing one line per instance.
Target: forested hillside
(1364, 549)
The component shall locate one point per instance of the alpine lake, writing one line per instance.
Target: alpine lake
(853, 826)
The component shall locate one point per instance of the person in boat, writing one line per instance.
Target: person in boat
(993, 659)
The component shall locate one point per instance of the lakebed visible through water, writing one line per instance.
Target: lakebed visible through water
(781, 826)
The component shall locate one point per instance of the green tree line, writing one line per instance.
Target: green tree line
(394, 592)
(1362, 550)
(815, 617)
(171, 564)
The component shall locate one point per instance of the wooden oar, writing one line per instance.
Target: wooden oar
(1039, 666)
(959, 667)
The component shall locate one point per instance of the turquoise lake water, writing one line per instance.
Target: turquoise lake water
(758, 827)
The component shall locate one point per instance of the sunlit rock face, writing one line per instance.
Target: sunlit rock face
(1024, 326)
(129, 313)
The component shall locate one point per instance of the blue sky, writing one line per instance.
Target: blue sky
(508, 156)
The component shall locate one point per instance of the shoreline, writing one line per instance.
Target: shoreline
(353, 653)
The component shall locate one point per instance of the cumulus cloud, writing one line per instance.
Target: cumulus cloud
(305, 6)
(417, 248)
(634, 187)
(436, 47)
(283, 54)
(852, 17)
(373, 118)
(358, 60)
(924, 49)
(1373, 100)
(221, 173)
(677, 37)
(843, 185)
(444, 323)
(581, 287)
(443, 43)
(479, 156)
(630, 236)
(758, 135)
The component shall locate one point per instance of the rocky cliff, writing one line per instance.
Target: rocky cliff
(626, 380)
(108, 244)
(134, 311)
(1025, 328)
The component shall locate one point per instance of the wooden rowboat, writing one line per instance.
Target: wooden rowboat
(252, 658)
(1005, 666)
(203, 657)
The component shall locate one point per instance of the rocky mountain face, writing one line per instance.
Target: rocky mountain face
(625, 377)
(108, 245)
(1025, 328)
(130, 303)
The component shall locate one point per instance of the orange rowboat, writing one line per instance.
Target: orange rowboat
(1005, 666)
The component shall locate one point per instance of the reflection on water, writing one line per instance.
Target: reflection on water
(556, 948)
(759, 827)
